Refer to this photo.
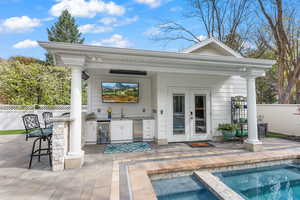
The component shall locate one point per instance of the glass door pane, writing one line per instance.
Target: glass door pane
(200, 114)
(178, 114)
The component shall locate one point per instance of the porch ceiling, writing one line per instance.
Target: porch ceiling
(99, 57)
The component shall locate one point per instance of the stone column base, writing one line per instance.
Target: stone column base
(74, 161)
(253, 147)
(161, 141)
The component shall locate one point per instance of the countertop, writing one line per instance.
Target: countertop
(124, 118)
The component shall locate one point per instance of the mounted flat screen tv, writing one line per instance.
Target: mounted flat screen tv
(120, 92)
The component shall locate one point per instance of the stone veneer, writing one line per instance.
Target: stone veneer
(59, 143)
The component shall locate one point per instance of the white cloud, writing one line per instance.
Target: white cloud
(115, 40)
(26, 44)
(152, 31)
(114, 22)
(83, 8)
(108, 20)
(151, 3)
(94, 28)
(47, 19)
(108, 25)
(19, 24)
(128, 20)
(202, 37)
(175, 9)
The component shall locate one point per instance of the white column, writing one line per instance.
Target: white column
(252, 119)
(76, 104)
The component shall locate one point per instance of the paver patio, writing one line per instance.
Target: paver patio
(94, 180)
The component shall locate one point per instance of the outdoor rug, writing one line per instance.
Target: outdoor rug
(127, 147)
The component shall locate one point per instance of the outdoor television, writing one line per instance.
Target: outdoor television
(120, 92)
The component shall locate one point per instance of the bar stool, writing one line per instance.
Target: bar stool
(33, 129)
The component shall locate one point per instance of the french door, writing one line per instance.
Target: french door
(189, 114)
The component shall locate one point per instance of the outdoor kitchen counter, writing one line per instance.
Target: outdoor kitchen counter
(124, 118)
(124, 129)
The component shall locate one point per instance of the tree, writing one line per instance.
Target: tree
(34, 83)
(266, 86)
(64, 30)
(227, 20)
(25, 60)
(266, 90)
(282, 37)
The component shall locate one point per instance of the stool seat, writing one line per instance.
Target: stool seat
(40, 132)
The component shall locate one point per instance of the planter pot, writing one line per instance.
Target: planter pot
(228, 134)
(241, 133)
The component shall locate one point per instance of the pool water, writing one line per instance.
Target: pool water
(183, 188)
(280, 182)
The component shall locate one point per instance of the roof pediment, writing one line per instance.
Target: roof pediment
(212, 47)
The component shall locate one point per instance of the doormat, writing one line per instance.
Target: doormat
(127, 147)
(199, 144)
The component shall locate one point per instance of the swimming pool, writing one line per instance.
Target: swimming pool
(183, 188)
(279, 182)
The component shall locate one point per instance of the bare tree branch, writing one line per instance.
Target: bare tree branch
(225, 19)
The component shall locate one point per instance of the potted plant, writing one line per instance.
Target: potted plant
(228, 130)
(238, 106)
(243, 120)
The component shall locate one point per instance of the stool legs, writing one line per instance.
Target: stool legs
(49, 151)
(39, 152)
(40, 145)
(33, 151)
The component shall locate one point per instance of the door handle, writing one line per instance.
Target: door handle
(191, 115)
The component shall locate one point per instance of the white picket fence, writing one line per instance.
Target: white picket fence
(11, 115)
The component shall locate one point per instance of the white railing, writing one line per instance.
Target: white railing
(11, 115)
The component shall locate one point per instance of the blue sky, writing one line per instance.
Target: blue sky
(103, 22)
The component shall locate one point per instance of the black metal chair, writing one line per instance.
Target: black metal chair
(47, 119)
(33, 129)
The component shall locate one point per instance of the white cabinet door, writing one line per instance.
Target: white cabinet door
(148, 129)
(127, 130)
(91, 132)
(121, 131)
(115, 131)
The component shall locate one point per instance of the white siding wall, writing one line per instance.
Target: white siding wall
(222, 89)
(130, 109)
(154, 95)
(154, 102)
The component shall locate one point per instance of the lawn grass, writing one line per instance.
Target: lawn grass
(9, 132)
(276, 135)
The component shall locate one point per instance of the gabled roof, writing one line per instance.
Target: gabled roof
(215, 44)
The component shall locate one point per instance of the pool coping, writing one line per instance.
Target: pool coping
(121, 183)
(216, 186)
(140, 173)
